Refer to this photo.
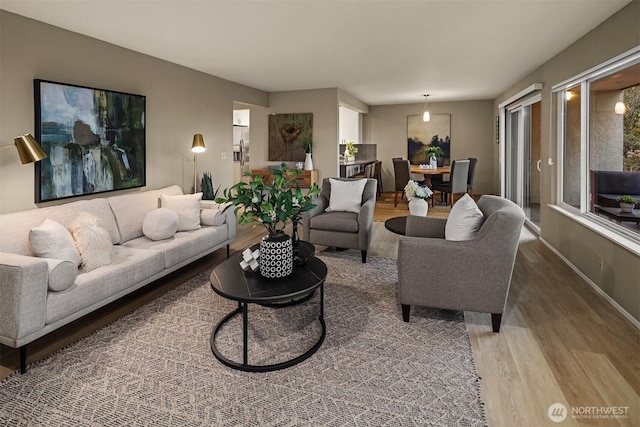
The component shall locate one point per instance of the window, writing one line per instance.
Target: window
(599, 137)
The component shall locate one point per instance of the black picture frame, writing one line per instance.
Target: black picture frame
(95, 140)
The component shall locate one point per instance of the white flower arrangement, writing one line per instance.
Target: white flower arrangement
(415, 191)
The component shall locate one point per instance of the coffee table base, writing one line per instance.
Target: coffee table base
(245, 366)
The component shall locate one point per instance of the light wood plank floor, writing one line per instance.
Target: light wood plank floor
(560, 342)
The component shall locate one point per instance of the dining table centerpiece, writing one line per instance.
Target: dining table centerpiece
(417, 196)
(432, 153)
(273, 206)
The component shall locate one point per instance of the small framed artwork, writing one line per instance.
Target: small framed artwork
(94, 140)
(434, 133)
(286, 135)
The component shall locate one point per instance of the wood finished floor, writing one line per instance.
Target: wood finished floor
(560, 341)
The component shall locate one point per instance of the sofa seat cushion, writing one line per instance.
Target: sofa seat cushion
(129, 267)
(184, 245)
(346, 222)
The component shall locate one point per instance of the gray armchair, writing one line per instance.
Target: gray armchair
(341, 229)
(472, 275)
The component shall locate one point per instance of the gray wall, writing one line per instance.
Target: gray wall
(180, 103)
(579, 244)
(472, 135)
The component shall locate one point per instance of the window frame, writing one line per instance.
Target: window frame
(607, 228)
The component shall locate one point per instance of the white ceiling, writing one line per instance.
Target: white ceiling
(382, 52)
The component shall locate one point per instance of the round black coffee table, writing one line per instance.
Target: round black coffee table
(230, 281)
(397, 224)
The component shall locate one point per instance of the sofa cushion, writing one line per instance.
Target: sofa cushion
(465, 220)
(52, 240)
(212, 217)
(184, 245)
(92, 240)
(160, 224)
(130, 210)
(187, 207)
(129, 268)
(346, 196)
(346, 222)
(62, 273)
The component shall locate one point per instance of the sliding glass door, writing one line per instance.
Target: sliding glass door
(522, 156)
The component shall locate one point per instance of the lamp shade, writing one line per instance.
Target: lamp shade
(28, 149)
(426, 116)
(620, 108)
(198, 144)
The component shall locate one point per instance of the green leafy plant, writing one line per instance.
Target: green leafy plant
(351, 149)
(307, 143)
(628, 199)
(273, 206)
(433, 152)
(206, 184)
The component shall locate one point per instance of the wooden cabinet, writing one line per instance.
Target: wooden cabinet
(305, 178)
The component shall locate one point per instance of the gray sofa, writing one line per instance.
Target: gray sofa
(472, 275)
(29, 308)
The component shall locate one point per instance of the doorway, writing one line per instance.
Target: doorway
(522, 156)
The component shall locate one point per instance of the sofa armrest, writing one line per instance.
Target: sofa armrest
(23, 296)
(419, 226)
(459, 275)
(231, 221)
(365, 223)
(321, 205)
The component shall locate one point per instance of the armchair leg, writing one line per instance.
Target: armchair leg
(364, 256)
(496, 319)
(23, 359)
(228, 252)
(406, 309)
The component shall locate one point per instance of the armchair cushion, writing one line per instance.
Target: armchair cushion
(464, 221)
(336, 221)
(346, 196)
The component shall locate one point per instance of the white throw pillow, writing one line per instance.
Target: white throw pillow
(346, 196)
(212, 216)
(52, 240)
(93, 241)
(187, 207)
(160, 224)
(464, 221)
(62, 274)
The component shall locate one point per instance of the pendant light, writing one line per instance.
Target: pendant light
(426, 116)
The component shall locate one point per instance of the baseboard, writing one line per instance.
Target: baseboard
(591, 283)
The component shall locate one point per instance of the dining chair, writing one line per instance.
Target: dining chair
(402, 172)
(377, 174)
(457, 183)
(472, 171)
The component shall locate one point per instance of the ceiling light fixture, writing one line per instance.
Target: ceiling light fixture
(426, 116)
(620, 108)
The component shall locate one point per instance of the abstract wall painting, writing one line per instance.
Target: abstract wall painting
(420, 135)
(94, 140)
(286, 133)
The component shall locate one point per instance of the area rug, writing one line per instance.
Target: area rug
(154, 367)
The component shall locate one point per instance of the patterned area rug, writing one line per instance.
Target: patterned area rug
(154, 367)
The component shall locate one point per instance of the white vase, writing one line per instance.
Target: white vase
(418, 207)
(434, 163)
(308, 162)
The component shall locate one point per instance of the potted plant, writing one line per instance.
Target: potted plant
(627, 203)
(417, 196)
(271, 206)
(206, 184)
(350, 152)
(432, 153)
(307, 144)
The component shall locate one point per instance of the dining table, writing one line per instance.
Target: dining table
(430, 172)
